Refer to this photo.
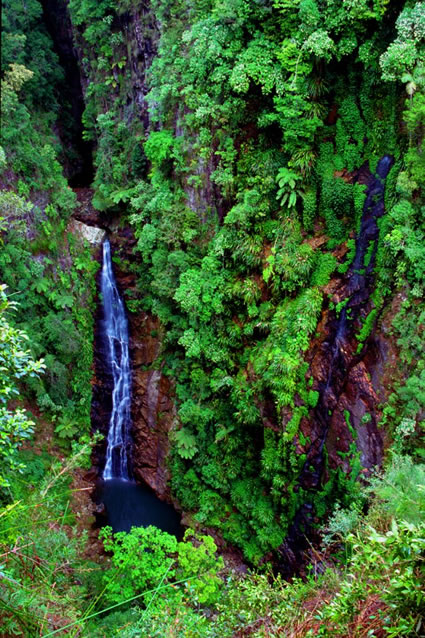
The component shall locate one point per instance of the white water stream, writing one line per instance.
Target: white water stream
(115, 328)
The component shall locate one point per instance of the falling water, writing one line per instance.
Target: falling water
(115, 332)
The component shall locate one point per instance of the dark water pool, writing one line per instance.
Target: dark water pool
(128, 505)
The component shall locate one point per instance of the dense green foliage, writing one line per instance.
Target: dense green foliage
(15, 363)
(44, 267)
(255, 129)
(155, 586)
(146, 557)
(44, 574)
(228, 135)
(381, 559)
(49, 271)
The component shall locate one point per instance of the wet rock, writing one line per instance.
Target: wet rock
(87, 214)
(347, 407)
(153, 416)
(100, 509)
(345, 374)
(354, 421)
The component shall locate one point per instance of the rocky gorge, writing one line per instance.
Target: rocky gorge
(211, 242)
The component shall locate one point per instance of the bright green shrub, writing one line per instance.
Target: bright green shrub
(140, 559)
(198, 565)
(399, 490)
(16, 363)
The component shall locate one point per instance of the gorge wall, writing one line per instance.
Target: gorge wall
(239, 168)
(257, 264)
(258, 166)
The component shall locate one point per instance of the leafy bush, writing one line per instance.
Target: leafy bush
(145, 558)
(16, 363)
(140, 560)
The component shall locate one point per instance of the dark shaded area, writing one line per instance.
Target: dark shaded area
(77, 154)
(128, 505)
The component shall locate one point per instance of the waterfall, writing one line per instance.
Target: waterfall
(115, 334)
(126, 502)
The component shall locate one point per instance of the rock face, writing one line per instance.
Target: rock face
(152, 409)
(141, 34)
(93, 235)
(347, 408)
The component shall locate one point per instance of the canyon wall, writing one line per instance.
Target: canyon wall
(250, 209)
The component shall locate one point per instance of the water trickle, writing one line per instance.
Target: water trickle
(115, 332)
(339, 355)
(359, 288)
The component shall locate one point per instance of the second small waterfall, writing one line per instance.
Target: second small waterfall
(115, 333)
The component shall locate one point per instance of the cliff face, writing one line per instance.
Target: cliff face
(252, 205)
(140, 31)
(153, 408)
(342, 365)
